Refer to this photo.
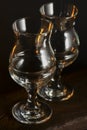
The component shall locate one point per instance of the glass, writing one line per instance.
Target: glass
(32, 65)
(65, 43)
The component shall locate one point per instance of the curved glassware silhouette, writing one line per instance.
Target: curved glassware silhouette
(31, 65)
(65, 43)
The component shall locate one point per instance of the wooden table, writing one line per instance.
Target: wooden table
(67, 115)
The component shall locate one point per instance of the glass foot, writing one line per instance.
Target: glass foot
(37, 115)
(52, 94)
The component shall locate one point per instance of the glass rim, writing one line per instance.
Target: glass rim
(74, 13)
(50, 26)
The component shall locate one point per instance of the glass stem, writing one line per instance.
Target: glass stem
(31, 101)
(57, 78)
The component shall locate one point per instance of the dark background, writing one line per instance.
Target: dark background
(10, 10)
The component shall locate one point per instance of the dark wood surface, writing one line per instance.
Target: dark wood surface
(67, 115)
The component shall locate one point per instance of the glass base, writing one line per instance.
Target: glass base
(37, 115)
(56, 94)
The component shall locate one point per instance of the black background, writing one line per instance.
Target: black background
(10, 10)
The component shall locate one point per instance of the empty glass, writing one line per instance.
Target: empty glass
(65, 43)
(32, 65)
